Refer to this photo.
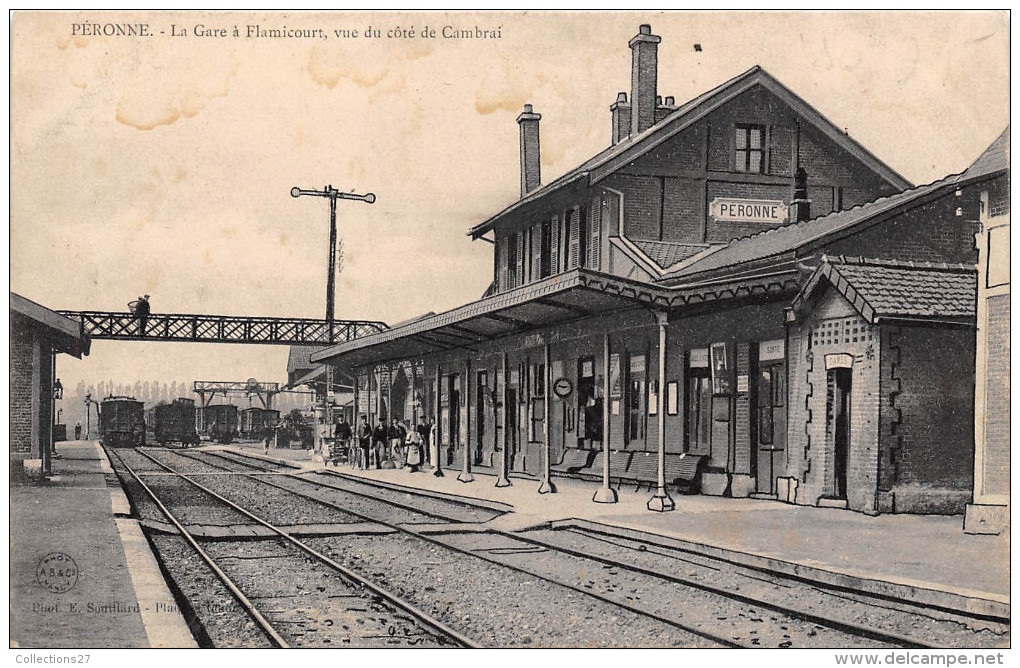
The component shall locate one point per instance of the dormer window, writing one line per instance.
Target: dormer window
(750, 149)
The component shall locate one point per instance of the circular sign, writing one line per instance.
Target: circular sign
(563, 387)
(57, 573)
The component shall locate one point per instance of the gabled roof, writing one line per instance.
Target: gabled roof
(779, 240)
(887, 289)
(66, 334)
(995, 158)
(608, 161)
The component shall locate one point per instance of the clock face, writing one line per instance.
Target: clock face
(563, 387)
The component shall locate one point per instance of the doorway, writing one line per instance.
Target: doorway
(770, 423)
(483, 409)
(453, 381)
(840, 382)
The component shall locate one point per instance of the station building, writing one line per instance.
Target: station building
(735, 297)
(38, 335)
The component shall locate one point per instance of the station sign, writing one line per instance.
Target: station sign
(749, 210)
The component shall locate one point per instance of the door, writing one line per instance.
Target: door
(512, 429)
(770, 415)
(838, 427)
(589, 423)
(483, 409)
(698, 425)
(454, 432)
(635, 398)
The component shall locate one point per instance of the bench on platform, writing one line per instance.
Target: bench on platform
(684, 471)
(574, 459)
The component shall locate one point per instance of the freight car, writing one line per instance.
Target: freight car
(173, 422)
(256, 422)
(219, 423)
(122, 422)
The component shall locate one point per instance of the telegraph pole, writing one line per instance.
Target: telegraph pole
(333, 194)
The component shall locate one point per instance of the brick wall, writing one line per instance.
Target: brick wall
(683, 210)
(929, 233)
(933, 437)
(642, 204)
(996, 451)
(21, 393)
(833, 327)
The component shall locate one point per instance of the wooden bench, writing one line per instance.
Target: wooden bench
(684, 471)
(574, 459)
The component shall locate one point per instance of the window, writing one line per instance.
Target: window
(511, 261)
(583, 230)
(545, 262)
(750, 149)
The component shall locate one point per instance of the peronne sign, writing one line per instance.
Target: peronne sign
(749, 210)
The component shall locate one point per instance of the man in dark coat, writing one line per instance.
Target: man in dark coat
(379, 443)
(364, 443)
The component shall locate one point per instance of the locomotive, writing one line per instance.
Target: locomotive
(173, 422)
(122, 422)
(218, 422)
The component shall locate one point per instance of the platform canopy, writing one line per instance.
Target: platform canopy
(572, 295)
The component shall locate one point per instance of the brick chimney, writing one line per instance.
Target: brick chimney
(801, 205)
(531, 165)
(621, 118)
(643, 79)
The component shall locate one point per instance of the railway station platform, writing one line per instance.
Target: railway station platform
(82, 572)
(925, 558)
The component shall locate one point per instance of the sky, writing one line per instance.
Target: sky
(163, 164)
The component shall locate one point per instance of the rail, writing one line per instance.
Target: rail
(198, 328)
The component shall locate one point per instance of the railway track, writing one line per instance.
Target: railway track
(372, 613)
(512, 551)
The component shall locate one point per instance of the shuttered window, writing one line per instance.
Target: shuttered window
(554, 249)
(536, 252)
(583, 235)
(573, 240)
(502, 263)
(519, 260)
(595, 241)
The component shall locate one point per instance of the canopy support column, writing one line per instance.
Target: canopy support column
(504, 440)
(606, 493)
(662, 502)
(547, 486)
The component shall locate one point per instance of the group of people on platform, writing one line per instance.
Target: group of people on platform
(369, 447)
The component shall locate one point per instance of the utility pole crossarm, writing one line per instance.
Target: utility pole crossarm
(333, 194)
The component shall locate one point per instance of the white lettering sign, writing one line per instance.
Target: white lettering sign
(699, 358)
(749, 210)
(772, 350)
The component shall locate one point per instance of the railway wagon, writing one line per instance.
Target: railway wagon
(122, 422)
(256, 421)
(174, 422)
(219, 422)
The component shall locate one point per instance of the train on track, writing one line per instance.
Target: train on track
(173, 423)
(122, 422)
(219, 423)
(258, 423)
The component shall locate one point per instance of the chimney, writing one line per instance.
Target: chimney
(664, 110)
(531, 165)
(621, 118)
(643, 79)
(801, 205)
